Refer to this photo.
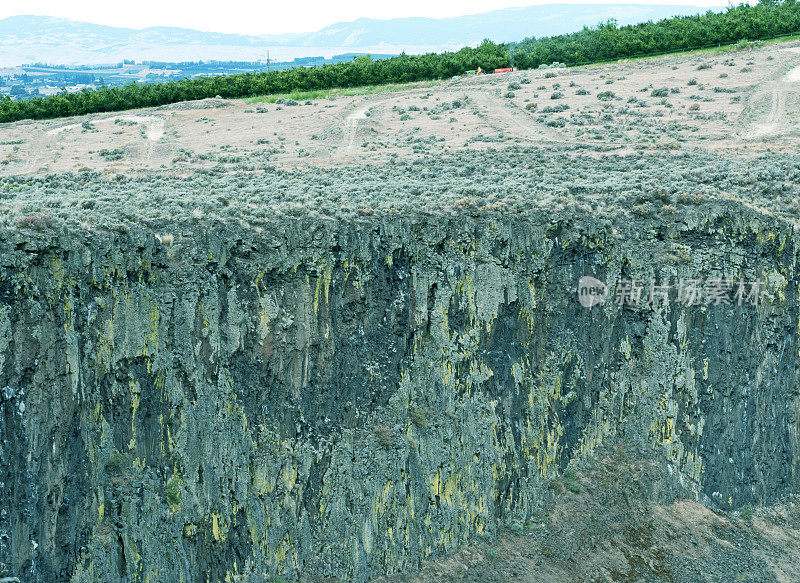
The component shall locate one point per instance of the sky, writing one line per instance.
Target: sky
(270, 17)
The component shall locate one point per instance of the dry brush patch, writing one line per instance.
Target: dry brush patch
(515, 180)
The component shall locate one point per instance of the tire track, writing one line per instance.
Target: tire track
(775, 122)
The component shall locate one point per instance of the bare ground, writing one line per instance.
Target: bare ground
(739, 101)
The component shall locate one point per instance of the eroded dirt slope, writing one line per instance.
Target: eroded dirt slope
(615, 517)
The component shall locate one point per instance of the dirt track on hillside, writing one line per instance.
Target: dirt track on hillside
(739, 101)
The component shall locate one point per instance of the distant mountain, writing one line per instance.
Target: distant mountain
(28, 39)
(509, 24)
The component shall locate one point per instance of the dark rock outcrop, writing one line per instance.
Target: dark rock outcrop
(346, 398)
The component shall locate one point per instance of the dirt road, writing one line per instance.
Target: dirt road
(742, 101)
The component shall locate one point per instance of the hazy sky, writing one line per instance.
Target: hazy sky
(248, 17)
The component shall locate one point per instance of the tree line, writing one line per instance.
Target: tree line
(768, 19)
(608, 42)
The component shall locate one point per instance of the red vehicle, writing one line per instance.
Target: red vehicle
(506, 70)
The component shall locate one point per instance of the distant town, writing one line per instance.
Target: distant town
(41, 79)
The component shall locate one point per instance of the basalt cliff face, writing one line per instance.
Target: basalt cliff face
(345, 398)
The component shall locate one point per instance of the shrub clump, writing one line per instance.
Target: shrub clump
(111, 155)
(561, 107)
(172, 491)
(117, 463)
(384, 435)
(419, 417)
(571, 482)
(557, 122)
(38, 222)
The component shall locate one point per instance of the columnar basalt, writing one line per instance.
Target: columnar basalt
(347, 398)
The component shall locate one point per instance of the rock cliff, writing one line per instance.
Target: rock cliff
(343, 398)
